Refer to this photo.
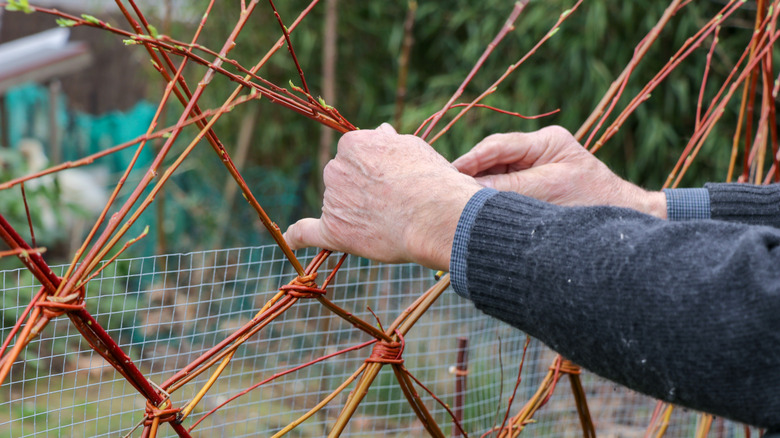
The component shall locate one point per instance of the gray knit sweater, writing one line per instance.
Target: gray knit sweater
(688, 312)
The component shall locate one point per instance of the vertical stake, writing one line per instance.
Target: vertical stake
(461, 372)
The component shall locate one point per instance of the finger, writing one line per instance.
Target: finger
(521, 150)
(305, 233)
(516, 148)
(386, 128)
(531, 182)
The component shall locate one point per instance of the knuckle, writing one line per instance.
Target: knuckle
(491, 141)
(330, 172)
(293, 234)
(561, 139)
(556, 131)
(347, 141)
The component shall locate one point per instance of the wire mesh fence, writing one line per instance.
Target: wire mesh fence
(167, 310)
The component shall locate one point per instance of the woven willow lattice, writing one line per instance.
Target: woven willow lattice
(66, 293)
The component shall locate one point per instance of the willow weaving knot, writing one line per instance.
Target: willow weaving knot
(565, 366)
(169, 327)
(385, 352)
(163, 415)
(53, 306)
(303, 286)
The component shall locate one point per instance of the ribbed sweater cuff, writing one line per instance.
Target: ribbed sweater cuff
(461, 241)
(745, 203)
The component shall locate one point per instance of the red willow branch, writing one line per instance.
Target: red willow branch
(750, 90)
(433, 396)
(492, 108)
(270, 311)
(697, 140)
(321, 113)
(707, 64)
(99, 248)
(566, 14)
(508, 27)
(687, 49)
(171, 86)
(89, 159)
(20, 320)
(291, 50)
(615, 90)
(281, 374)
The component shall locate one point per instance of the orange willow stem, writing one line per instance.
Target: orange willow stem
(281, 374)
(101, 218)
(321, 404)
(713, 106)
(20, 320)
(438, 400)
(743, 106)
(312, 269)
(127, 244)
(517, 382)
(767, 122)
(401, 325)
(270, 310)
(762, 132)
(22, 252)
(750, 109)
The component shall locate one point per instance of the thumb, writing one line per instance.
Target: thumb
(305, 233)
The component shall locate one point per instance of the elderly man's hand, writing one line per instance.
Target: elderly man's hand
(550, 165)
(388, 197)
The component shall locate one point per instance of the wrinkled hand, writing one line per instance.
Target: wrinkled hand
(550, 165)
(388, 197)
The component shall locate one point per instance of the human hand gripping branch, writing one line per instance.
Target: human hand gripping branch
(388, 197)
(393, 198)
(551, 166)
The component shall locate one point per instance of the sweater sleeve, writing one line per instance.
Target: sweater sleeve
(745, 203)
(683, 311)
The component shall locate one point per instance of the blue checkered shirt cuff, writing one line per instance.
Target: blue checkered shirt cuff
(461, 242)
(687, 204)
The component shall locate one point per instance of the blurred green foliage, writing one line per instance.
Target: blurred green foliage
(571, 72)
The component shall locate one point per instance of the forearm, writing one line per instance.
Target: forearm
(683, 311)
